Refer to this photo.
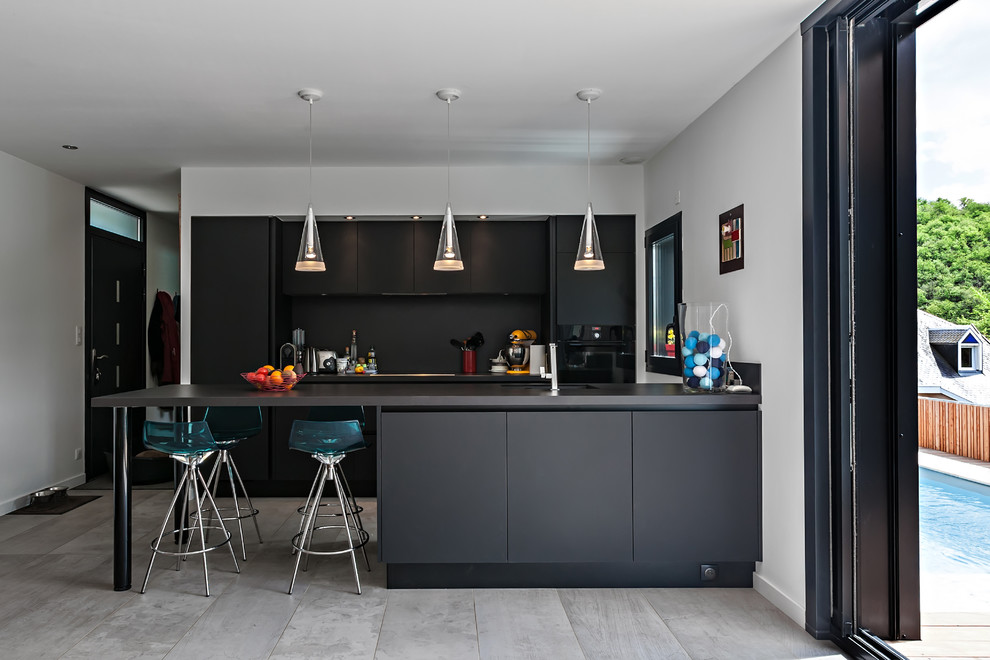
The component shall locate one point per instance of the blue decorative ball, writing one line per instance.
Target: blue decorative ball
(717, 362)
(714, 339)
(717, 383)
(693, 334)
(688, 372)
(706, 383)
(686, 352)
(700, 360)
(702, 336)
(690, 343)
(693, 382)
(689, 362)
(702, 347)
(715, 372)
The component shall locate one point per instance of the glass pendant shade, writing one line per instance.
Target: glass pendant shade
(589, 256)
(310, 257)
(448, 250)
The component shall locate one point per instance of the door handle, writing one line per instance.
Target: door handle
(95, 369)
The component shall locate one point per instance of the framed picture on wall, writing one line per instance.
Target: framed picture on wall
(730, 241)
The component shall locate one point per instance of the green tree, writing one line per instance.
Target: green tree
(954, 261)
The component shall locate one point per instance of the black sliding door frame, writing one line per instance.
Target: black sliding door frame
(861, 470)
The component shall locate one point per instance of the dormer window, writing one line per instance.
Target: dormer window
(970, 354)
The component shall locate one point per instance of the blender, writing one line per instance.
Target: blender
(517, 352)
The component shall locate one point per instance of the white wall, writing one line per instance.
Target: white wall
(746, 149)
(42, 386)
(399, 191)
(162, 269)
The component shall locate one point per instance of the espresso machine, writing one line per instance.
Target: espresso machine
(517, 352)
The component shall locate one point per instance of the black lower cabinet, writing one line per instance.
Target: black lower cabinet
(570, 490)
(696, 486)
(443, 484)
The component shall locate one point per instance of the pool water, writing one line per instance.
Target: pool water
(954, 517)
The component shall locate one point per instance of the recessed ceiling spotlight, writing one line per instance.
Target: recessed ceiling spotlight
(632, 160)
(69, 147)
(348, 217)
(482, 217)
(415, 217)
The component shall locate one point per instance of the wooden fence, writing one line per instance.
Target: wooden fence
(957, 428)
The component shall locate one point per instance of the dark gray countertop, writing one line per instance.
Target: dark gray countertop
(437, 395)
(417, 378)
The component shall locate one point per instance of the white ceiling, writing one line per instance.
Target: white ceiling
(144, 88)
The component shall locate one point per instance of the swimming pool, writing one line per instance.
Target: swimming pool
(954, 517)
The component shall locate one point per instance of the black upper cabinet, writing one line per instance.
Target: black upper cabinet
(616, 233)
(427, 238)
(230, 302)
(598, 297)
(385, 257)
(508, 257)
(339, 241)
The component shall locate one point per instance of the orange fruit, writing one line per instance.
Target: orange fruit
(289, 368)
(276, 378)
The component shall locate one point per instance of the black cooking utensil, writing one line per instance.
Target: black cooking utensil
(458, 343)
(475, 341)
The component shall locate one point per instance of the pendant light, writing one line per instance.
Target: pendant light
(589, 254)
(448, 250)
(310, 256)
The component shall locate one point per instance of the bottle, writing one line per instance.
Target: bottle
(354, 353)
(372, 361)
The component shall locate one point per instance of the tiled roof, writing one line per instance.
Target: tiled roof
(934, 371)
(949, 335)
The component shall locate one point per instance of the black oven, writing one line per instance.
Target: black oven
(596, 353)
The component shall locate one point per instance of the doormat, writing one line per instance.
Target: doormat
(56, 506)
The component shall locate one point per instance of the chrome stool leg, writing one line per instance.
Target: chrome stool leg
(309, 520)
(202, 533)
(225, 463)
(345, 507)
(223, 527)
(175, 498)
(254, 512)
(356, 514)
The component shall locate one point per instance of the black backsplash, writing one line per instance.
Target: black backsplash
(411, 334)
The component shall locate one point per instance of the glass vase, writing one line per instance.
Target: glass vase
(704, 346)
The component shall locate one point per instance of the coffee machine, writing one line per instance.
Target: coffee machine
(517, 352)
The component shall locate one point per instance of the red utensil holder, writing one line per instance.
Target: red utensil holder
(469, 362)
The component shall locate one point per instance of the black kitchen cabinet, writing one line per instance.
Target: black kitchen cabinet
(443, 480)
(339, 241)
(230, 313)
(616, 233)
(426, 239)
(598, 297)
(696, 486)
(570, 487)
(385, 257)
(508, 257)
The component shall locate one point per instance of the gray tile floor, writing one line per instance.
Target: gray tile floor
(56, 601)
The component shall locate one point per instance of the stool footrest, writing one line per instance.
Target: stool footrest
(359, 542)
(190, 551)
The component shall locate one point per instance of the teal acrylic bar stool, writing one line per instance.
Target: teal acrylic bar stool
(189, 443)
(328, 442)
(229, 427)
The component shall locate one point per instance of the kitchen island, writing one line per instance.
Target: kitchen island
(510, 484)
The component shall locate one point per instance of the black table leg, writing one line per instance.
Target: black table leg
(180, 414)
(121, 501)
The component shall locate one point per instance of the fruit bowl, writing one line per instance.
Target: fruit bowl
(265, 384)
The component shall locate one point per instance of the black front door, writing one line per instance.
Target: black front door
(115, 332)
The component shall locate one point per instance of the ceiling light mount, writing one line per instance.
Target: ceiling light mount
(589, 94)
(309, 94)
(448, 94)
(70, 147)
